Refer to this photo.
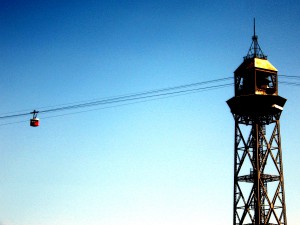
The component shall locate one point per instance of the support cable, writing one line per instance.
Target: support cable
(130, 97)
(134, 98)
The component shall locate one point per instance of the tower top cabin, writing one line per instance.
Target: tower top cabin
(256, 75)
(256, 87)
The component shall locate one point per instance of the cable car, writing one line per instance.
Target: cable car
(34, 122)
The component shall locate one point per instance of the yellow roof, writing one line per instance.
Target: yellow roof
(263, 64)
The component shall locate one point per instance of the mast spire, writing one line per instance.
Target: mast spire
(254, 39)
(254, 25)
(255, 50)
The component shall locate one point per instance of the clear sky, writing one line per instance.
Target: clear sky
(164, 162)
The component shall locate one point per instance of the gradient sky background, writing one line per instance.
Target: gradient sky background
(164, 162)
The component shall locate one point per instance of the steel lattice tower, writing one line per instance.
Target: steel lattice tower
(259, 197)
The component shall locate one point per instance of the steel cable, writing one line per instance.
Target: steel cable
(138, 97)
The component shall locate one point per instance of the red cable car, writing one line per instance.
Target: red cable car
(34, 122)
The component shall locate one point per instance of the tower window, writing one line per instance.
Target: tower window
(265, 83)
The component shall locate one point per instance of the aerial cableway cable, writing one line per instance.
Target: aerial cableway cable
(193, 87)
(289, 78)
(131, 98)
(127, 99)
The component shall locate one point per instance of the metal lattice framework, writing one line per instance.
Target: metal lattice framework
(259, 197)
(255, 50)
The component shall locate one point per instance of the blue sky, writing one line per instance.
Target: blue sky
(161, 162)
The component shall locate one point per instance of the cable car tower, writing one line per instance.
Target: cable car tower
(256, 107)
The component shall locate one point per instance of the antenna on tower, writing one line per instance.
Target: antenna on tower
(255, 50)
(254, 39)
(254, 26)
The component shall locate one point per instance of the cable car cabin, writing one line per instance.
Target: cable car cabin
(35, 122)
